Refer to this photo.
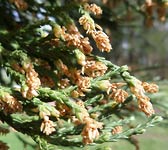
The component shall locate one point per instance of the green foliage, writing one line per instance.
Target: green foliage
(54, 89)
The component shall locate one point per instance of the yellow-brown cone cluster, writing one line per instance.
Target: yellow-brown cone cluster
(149, 8)
(9, 104)
(20, 4)
(93, 8)
(117, 130)
(143, 101)
(101, 39)
(32, 81)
